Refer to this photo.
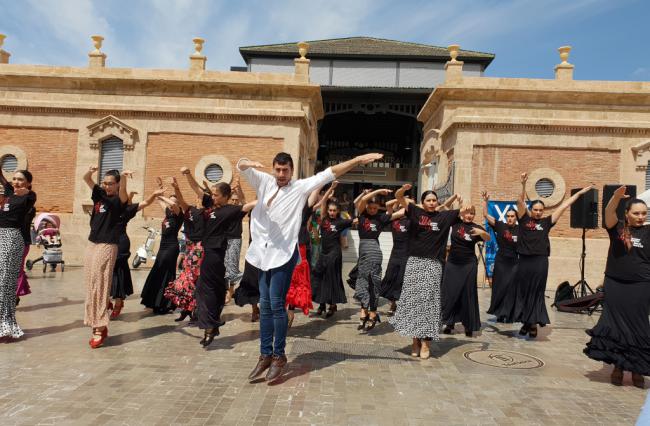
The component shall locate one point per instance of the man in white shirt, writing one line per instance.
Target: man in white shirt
(275, 222)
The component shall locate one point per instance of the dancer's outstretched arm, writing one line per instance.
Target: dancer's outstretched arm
(522, 209)
(555, 216)
(611, 218)
(361, 207)
(490, 219)
(192, 182)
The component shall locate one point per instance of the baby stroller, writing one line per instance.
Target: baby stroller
(46, 229)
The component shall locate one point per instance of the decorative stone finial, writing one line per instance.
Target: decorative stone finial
(303, 48)
(453, 51)
(564, 54)
(4, 55)
(97, 42)
(198, 46)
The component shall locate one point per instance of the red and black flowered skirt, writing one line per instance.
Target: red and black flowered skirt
(181, 291)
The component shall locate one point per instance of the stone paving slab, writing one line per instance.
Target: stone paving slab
(153, 371)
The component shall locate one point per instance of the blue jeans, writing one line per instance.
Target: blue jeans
(274, 285)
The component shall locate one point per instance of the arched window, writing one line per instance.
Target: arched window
(112, 156)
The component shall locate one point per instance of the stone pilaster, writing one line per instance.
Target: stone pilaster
(197, 59)
(301, 70)
(564, 70)
(454, 67)
(97, 59)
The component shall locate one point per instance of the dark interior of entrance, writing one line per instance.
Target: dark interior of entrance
(355, 127)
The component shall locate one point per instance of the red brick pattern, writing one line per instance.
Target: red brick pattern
(52, 158)
(168, 152)
(497, 170)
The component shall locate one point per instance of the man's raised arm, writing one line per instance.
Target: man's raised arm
(342, 168)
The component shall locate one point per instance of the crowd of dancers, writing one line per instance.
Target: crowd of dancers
(294, 260)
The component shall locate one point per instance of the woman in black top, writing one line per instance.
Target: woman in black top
(248, 290)
(15, 204)
(212, 286)
(502, 302)
(418, 310)
(368, 285)
(622, 335)
(163, 271)
(327, 279)
(459, 294)
(108, 202)
(391, 285)
(534, 248)
(299, 294)
(23, 285)
(233, 251)
(122, 284)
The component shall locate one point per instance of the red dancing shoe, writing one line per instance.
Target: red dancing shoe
(116, 311)
(94, 344)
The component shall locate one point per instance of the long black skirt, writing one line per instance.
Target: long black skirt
(391, 285)
(502, 302)
(530, 305)
(162, 273)
(327, 280)
(622, 335)
(211, 288)
(122, 285)
(460, 297)
(248, 291)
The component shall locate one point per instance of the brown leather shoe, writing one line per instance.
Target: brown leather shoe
(262, 364)
(617, 376)
(638, 380)
(277, 365)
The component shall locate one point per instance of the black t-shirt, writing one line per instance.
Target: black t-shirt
(105, 217)
(193, 221)
(533, 236)
(14, 209)
(400, 230)
(370, 226)
(632, 265)
(429, 231)
(128, 212)
(171, 224)
(506, 239)
(303, 234)
(330, 233)
(217, 222)
(463, 243)
(27, 228)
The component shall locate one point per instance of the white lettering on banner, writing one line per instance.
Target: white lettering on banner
(502, 213)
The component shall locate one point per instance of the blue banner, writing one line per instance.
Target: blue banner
(496, 209)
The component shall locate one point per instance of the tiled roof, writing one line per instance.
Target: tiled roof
(368, 47)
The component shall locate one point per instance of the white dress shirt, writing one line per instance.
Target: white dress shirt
(275, 228)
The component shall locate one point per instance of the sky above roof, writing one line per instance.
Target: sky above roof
(609, 37)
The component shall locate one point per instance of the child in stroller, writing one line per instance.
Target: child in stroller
(46, 228)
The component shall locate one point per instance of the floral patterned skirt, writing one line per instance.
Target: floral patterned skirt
(181, 291)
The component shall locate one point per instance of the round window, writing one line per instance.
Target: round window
(9, 163)
(545, 187)
(213, 173)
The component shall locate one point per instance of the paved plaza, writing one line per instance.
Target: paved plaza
(153, 371)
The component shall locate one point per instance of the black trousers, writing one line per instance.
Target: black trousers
(211, 288)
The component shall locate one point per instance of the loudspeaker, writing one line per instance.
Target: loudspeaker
(608, 191)
(584, 212)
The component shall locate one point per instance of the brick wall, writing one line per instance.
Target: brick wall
(51, 157)
(168, 152)
(497, 170)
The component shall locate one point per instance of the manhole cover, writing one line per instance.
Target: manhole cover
(504, 359)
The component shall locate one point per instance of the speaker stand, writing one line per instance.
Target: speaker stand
(582, 288)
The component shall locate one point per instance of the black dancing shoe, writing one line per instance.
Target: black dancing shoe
(331, 311)
(184, 314)
(362, 322)
(372, 322)
(208, 336)
(448, 329)
(524, 329)
(321, 309)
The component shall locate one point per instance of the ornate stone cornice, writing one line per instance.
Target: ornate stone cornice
(547, 126)
(76, 112)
